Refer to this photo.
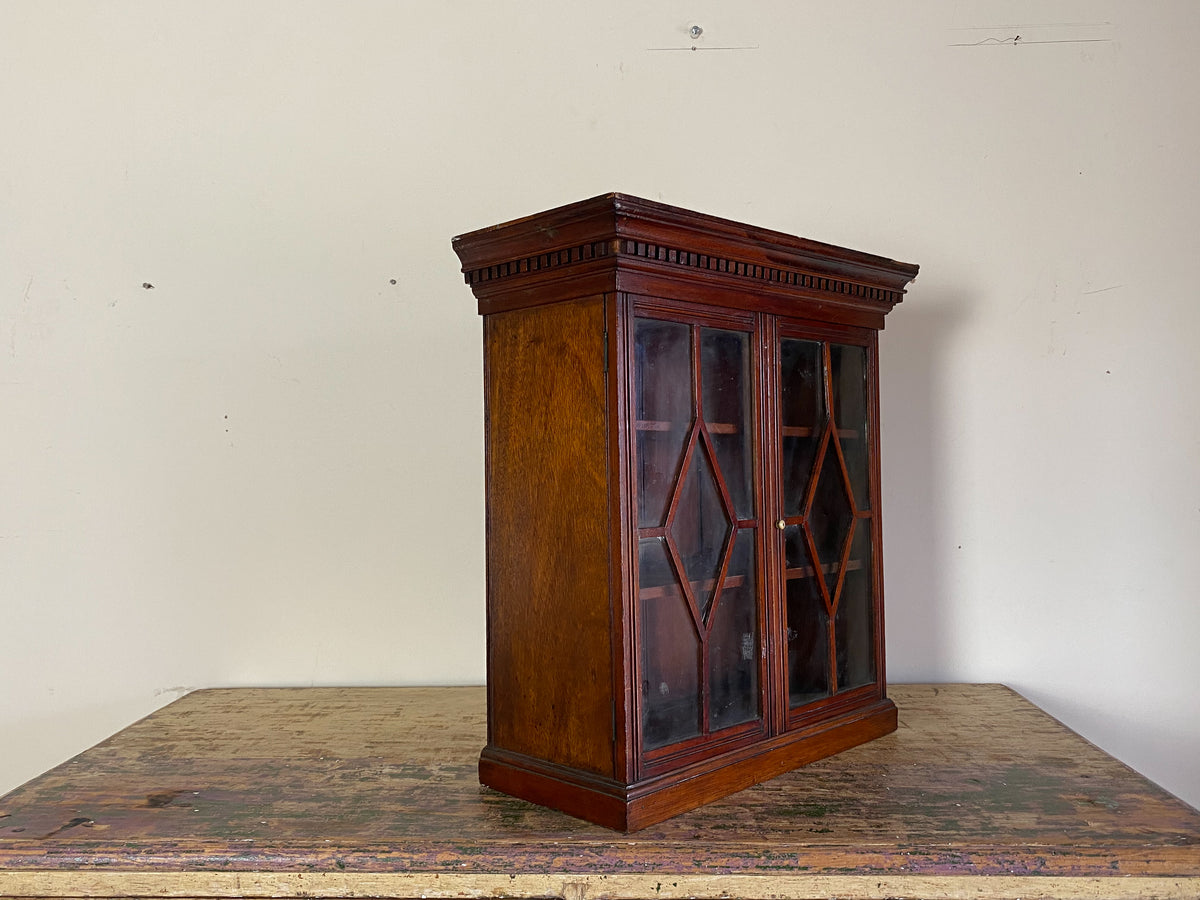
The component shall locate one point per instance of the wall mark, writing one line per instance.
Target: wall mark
(1037, 33)
(694, 47)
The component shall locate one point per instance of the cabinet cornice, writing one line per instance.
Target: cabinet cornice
(617, 231)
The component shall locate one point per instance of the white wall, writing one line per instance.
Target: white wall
(266, 469)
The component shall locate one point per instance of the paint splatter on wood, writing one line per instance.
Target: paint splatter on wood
(381, 782)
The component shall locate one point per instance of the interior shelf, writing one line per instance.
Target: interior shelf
(789, 431)
(659, 425)
(656, 593)
(830, 568)
(803, 431)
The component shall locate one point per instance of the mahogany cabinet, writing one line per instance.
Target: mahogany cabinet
(683, 522)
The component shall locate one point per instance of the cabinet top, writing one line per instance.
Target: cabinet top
(619, 242)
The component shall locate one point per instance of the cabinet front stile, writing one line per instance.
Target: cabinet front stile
(877, 506)
(773, 570)
(622, 580)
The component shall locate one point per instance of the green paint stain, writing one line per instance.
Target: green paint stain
(1028, 789)
(806, 810)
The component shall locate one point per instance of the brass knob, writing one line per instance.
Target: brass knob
(781, 524)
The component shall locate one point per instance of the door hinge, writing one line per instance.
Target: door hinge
(606, 353)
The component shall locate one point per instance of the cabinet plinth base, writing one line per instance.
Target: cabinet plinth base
(632, 807)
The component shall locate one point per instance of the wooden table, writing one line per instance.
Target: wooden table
(323, 792)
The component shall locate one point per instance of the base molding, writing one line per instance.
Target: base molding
(629, 807)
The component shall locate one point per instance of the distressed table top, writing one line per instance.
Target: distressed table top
(332, 792)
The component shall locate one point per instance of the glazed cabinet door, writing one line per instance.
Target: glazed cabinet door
(828, 526)
(699, 605)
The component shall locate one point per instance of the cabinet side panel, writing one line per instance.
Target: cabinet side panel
(549, 641)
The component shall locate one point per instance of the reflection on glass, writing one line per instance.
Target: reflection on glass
(825, 655)
(663, 408)
(670, 652)
(802, 417)
(695, 479)
(830, 517)
(700, 529)
(733, 649)
(807, 628)
(795, 554)
(726, 404)
(854, 624)
(848, 372)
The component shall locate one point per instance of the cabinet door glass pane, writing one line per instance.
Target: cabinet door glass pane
(807, 625)
(663, 410)
(700, 529)
(848, 374)
(725, 392)
(733, 648)
(830, 518)
(698, 599)
(802, 417)
(670, 652)
(854, 624)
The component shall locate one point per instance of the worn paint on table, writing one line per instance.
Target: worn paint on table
(382, 781)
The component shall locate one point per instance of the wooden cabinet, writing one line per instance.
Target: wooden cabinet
(683, 525)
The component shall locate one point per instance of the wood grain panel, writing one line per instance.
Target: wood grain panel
(550, 650)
